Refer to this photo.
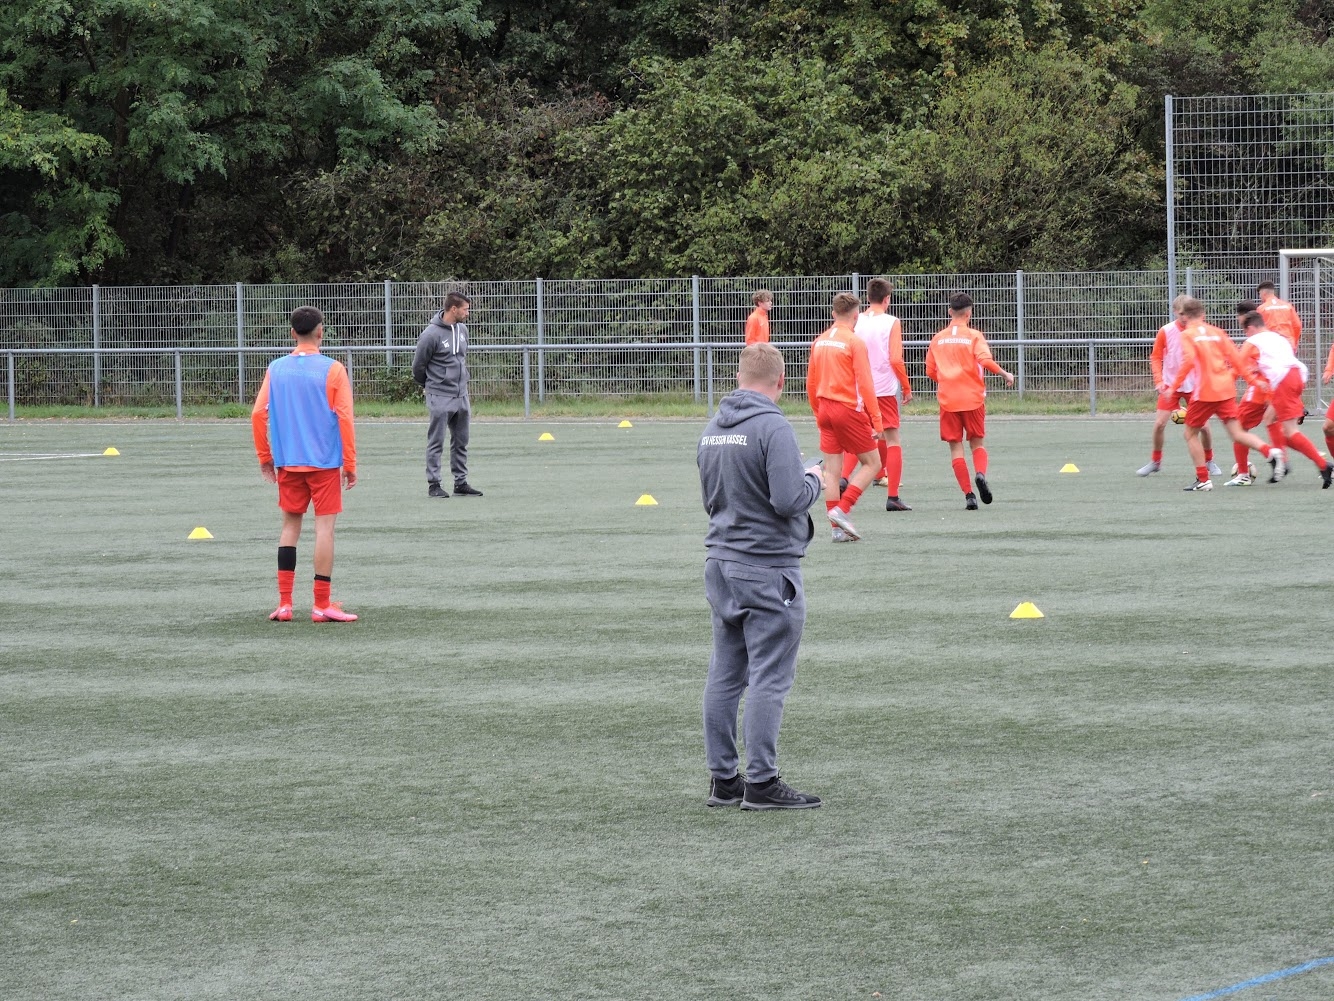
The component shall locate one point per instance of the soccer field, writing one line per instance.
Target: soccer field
(492, 785)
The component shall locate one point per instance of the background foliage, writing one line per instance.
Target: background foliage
(163, 141)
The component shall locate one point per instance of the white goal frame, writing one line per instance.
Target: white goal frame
(1285, 259)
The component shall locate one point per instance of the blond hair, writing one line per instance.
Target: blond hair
(1192, 308)
(1179, 302)
(759, 365)
(845, 303)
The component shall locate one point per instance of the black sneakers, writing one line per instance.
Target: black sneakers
(1326, 476)
(894, 504)
(435, 490)
(726, 792)
(970, 502)
(983, 490)
(462, 489)
(776, 795)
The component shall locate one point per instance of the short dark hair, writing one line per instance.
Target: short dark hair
(960, 301)
(845, 303)
(878, 289)
(305, 319)
(455, 299)
(1252, 319)
(1247, 306)
(1266, 285)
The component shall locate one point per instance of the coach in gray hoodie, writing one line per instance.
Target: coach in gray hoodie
(757, 495)
(440, 366)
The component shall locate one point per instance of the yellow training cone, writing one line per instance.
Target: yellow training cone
(111, 451)
(646, 500)
(546, 436)
(200, 533)
(1069, 467)
(1026, 610)
(625, 424)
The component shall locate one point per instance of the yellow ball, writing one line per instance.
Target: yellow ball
(1179, 416)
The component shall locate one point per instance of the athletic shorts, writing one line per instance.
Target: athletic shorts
(1251, 414)
(1199, 411)
(955, 425)
(1287, 396)
(1254, 394)
(298, 487)
(1169, 401)
(889, 411)
(1329, 414)
(843, 428)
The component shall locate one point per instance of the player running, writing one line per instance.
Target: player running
(841, 391)
(883, 334)
(306, 443)
(1279, 315)
(1329, 414)
(1271, 353)
(954, 361)
(1209, 355)
(1165, 359)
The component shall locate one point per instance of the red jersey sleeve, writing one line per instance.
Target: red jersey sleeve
(339, 390)
(259, 423)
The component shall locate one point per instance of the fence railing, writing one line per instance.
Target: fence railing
(1061, 333)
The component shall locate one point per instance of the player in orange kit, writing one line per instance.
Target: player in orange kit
(757, 324)
(1209, 355)
(954, 361)
(841, 391)
(1329, 414)
(1165, 360)
(1279, 315)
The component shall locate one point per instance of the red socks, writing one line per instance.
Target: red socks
(1276, 434)
(285, 580)
(1157, 456)
(894, 467)
(1242, 455)
(961, 474)
(1201, 473)
(322, 588)
(849, 464)
(1208, 455)
(980, 461)
(1303, 444)
(850, 497)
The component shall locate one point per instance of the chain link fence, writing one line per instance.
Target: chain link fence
(1066, 336)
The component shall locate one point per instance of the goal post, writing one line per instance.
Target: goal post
(1302, 277)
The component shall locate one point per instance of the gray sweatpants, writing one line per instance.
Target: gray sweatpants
(758, 615)
(452, 412)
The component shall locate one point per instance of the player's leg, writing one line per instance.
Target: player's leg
(893, 471)
(1272, 453)
(1207, 444)
(327, 495)
(724, 685)
(288, 537)
(1196, 449)
(437, 409)
(1162, 414)
(1288, 411)
(975, 427)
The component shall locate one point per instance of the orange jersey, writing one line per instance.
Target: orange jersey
(841, 370)
(757, 327)
(954, 361)
(1209, 354)
(1281, 318)
(338, 389)
(1329, 367)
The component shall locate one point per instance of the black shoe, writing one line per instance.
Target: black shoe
(983, 490)
(894, 504)
(970, 502)
(462, 489)
(1326, 476)
(726, 792)
(436, 490)
(1305, 414)
(776, 795)
(842, 485)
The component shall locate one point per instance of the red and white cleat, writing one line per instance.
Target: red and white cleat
(283, 613)
(334, 613)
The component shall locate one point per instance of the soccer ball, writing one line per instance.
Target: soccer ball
(1179, 416)
(1250, 469)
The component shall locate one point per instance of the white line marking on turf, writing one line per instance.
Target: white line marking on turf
(26, 457)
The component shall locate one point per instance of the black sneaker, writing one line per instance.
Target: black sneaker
(1326, 476)
(970, 502)
(983, 490)
(726, 792)
(436, 490)
(842, 485)
(1305, 414)
(894, 504)
(776, 795)
(462, 489)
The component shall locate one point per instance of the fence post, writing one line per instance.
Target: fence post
(709, 412)
(857, 285)
(10, 356)
(1019, 327)
(240, 343)
(1171, 203)
(541, 355)
(1190, 281)
(388, 324)
(180, 412)
(1318, 400)
(349, 367)
(695, 324)
(97, 343)
(527, 397)
(1093, 376)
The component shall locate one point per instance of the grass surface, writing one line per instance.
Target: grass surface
(492, 785)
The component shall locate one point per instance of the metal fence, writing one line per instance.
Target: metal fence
(1067, 336)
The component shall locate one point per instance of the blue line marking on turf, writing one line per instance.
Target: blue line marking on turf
(1291, 971)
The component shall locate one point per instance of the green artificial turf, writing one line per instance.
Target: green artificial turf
(492, 785)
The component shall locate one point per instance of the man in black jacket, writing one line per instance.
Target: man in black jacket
(441, 366)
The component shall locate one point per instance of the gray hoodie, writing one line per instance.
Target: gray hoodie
(441, 361)
(755, 489)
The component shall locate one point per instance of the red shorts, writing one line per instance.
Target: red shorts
(956, 424)
(843, 428)
(1167, 401)
(889, 411)
(1287, 397)
(1199, 411)
(1251, 414)
(297, 488)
